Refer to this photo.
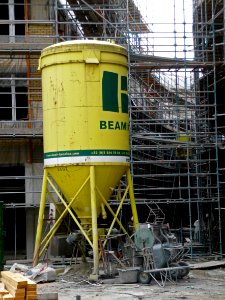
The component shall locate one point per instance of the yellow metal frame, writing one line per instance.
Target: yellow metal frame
(42, 243)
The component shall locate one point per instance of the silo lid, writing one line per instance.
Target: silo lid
(78, 45)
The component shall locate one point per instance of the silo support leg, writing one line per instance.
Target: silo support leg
(62, 213)
(111, 211)
(40, 218)
(132, 199)
(69, 210)
(116, 215)
(94, 224)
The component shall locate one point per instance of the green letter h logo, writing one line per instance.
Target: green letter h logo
(110, 92)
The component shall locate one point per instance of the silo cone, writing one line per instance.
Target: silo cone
(86, 134)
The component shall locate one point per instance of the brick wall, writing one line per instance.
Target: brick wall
(41, 34)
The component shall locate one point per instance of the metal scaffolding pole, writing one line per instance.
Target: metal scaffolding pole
(176, 75)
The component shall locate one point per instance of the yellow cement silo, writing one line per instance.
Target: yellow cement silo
(86, 132)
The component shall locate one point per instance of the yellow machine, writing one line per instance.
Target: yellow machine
(86, 135)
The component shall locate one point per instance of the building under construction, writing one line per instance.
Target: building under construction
(177, 134)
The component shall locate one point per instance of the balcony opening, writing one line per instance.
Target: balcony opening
(19, 15)
(21, 103)
(5, 103)
(4, 15)
(12, 190)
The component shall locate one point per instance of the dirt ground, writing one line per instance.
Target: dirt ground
(199, 285)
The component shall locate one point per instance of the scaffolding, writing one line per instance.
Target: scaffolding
(176, 79)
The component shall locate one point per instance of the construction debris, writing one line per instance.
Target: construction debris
(40, 273)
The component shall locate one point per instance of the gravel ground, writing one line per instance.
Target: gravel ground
(199, 285)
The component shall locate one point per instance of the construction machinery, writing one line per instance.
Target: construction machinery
(151, 252)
